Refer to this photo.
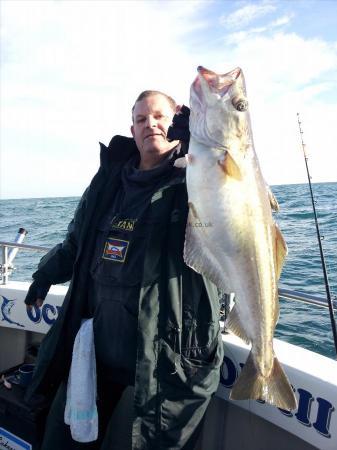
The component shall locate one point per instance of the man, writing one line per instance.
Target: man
(155, 320)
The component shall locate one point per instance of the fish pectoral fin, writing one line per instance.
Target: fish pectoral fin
(274, 389)
(230, 167)
(196, 253)
(192, 213)
(234, 325)
(281, 251)
(273, 202)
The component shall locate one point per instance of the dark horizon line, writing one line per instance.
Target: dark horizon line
(78, 196)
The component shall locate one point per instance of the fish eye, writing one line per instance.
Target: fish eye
(240, 104)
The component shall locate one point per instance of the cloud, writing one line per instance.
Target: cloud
(286, 74)
(285, 61)
(269, 28)
(284, 20)
(71, 72)
(247, 14)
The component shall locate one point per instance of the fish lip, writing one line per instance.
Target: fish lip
(219, 83)
(235, 73)
(203, 71)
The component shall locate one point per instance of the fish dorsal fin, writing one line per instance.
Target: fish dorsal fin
(234, 325)
(273, 202)
(281, 251)
(230, 167)
(196, 253)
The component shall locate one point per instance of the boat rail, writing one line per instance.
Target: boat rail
(6, 265)
(6, 268)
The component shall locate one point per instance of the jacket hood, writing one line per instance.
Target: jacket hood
(120, 149)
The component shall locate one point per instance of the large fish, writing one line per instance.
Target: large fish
(231, 236)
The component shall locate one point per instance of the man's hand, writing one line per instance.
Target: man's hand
(36, 295)
(179, 130)
(38, 303)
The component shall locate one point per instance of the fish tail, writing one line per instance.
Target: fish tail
(274, 389)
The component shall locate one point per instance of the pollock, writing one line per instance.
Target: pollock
(242, 251)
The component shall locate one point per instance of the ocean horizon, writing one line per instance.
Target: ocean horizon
(79, 195)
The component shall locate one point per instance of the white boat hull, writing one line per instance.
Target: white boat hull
(229, 424)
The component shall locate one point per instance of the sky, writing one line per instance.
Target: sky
(71, 71)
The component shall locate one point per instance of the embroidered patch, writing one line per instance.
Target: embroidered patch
(123, 224)
(115, 249)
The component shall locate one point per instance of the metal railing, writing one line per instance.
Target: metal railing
(6, 265)
(26, 246)
(306, 298)
(6, 269)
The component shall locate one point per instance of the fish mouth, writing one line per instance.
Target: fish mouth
(219, 83)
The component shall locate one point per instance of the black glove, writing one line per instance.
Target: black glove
(36, 291)
(179, 130)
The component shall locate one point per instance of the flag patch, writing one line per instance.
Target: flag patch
(115, 249)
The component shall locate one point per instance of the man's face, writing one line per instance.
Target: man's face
(152, 117)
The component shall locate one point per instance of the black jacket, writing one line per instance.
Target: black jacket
(179, 349)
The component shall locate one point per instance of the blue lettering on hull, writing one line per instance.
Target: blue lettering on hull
(229, 373)
(48, 313)
(322, 423)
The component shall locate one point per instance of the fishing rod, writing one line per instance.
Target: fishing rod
(319, 237)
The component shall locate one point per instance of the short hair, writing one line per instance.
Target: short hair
(149, 93)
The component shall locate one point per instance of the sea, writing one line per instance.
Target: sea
(308, 326)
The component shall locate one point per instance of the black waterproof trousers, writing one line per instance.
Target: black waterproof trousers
(57, 434)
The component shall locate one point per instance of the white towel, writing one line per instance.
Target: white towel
(81, 410)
